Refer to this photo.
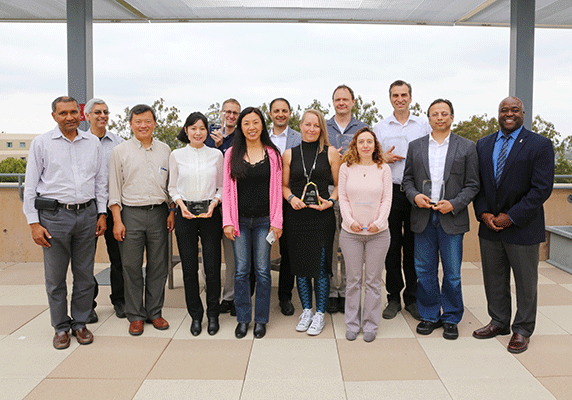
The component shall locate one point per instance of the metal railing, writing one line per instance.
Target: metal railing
(19, 184)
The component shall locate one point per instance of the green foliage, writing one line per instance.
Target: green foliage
(416, 109)
(168, 124)
(12, 166)
(562, 147)
(476, 127)
(366, 112)
(213, 114)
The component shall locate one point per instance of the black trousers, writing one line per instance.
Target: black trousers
(188, 232)
(401, 248)
(285, 277)
(117, 295)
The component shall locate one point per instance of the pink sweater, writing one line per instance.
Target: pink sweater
(230, 193)
(365, 196)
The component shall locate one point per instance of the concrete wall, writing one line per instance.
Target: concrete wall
(16, 244)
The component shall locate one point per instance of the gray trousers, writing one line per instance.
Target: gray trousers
(145, 229)
(73, 238)
(338, 279)
(228, 289)
(358, 249)
(498, 258)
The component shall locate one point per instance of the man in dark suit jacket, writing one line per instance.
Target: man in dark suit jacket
(517, 175)
(441, 178)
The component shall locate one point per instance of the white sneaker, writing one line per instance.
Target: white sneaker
(305, 320)
(317, 324)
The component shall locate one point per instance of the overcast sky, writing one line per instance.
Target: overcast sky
(193, 65)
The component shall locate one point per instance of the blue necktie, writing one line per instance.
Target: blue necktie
(502, 158)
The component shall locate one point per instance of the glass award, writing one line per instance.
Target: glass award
(427, 190)
(310, 194)
(198, 207)
(344, 142)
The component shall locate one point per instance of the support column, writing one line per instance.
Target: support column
(80, 52)
(521, 78)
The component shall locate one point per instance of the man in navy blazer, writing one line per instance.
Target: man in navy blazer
(441, 178)
(517, 175)
(284, 138)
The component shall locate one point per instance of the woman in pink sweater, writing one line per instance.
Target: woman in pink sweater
(365, 190)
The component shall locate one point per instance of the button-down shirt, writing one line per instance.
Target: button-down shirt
(196, 174)
(108, 143)
(70, 172)
(338, 138)
(437, 156)
(390, 132)
(279, 140)
(138, 176)
(498, 145)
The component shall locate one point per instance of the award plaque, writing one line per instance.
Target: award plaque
(310, 194)
(198, 207)
(428, 191)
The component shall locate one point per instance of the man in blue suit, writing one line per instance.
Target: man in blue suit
(284, 138)
(517, 175)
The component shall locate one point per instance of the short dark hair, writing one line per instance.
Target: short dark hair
(344, 87)
(191, 120)
(140, 109)
(63, 99)
(279, 99)
(399, 82)
(448, 102)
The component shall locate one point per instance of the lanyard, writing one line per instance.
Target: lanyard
(308, 176)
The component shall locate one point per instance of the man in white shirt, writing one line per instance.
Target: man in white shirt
(441, 178)
(394, 134)
(284, 138)
(97, 113)
(65, 192)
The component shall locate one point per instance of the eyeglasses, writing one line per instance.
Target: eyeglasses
(228, 112)
(99, 112)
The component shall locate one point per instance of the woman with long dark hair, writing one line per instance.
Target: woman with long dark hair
(195, 184)
(310, 223)
(252, 215)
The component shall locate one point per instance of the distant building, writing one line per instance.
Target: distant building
(15, 145)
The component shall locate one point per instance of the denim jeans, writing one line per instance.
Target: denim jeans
(431, 298)
(252, 245)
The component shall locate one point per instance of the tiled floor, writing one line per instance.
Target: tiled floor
(285, 364)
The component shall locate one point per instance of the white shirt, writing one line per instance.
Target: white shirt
(437, 156)
(70, 172)
(279, 140)
(391, 132)
(196, 174)
(108, 143)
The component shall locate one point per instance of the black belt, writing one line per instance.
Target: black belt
(399, 186)
(148, 207)
(74, 207)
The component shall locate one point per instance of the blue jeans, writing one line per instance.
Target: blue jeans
(252, 245)
(431, 298)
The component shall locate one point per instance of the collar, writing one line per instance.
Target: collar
(392, 120)
(57, 133)
(513, 135)
(140, 145)
(283, 134)
(446, 141)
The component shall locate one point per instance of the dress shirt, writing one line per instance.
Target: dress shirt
(498, 145)
(279, 140)
(70, 172)
(108, 143)
(437, 156)
(195, 174)
(390, 132)
(137, 175)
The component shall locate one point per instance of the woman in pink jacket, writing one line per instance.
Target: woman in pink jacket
(365, 190)
(252, 215)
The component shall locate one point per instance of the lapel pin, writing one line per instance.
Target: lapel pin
(520, 141)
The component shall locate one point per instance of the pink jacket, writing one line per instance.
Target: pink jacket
(230, 193)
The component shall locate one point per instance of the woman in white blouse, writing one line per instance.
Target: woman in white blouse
(195, 184)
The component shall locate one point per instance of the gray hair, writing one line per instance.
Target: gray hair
(89, 105)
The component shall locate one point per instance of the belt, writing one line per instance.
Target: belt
(399, 186)
(147, 207)
(74, 207)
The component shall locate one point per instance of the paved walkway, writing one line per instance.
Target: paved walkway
(173, 364)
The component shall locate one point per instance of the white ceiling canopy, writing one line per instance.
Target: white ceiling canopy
(549, 13)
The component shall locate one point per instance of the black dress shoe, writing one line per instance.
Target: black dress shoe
(196, 327)
(450, 331)
(241, 330)
(93, 318)
(427, 327)
(332, 305)
(342, 304)
(233, 310)
(286, 307)
(213, 326)
(119, 310)
(225, 306)
(259, 330)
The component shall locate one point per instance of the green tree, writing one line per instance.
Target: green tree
(416, 109)
(12, 165)
(366, 112)
(213, 114)
(476, 127)
(166, 131)
(562, 146)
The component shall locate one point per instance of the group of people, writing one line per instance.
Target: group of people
(395, 196)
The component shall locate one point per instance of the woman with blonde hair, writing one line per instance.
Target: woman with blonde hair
(365, 190)
(309, 220)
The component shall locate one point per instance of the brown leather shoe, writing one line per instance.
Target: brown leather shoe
(518, 343)
(490, 331)
(160, 323)
(83, 335)
(136, 328)
(61, 340)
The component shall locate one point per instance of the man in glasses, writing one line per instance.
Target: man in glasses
(221, 138)
(97, 113)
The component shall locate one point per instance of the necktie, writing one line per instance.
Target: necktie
(502, 158)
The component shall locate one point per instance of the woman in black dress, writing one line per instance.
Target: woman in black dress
(309, 221)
